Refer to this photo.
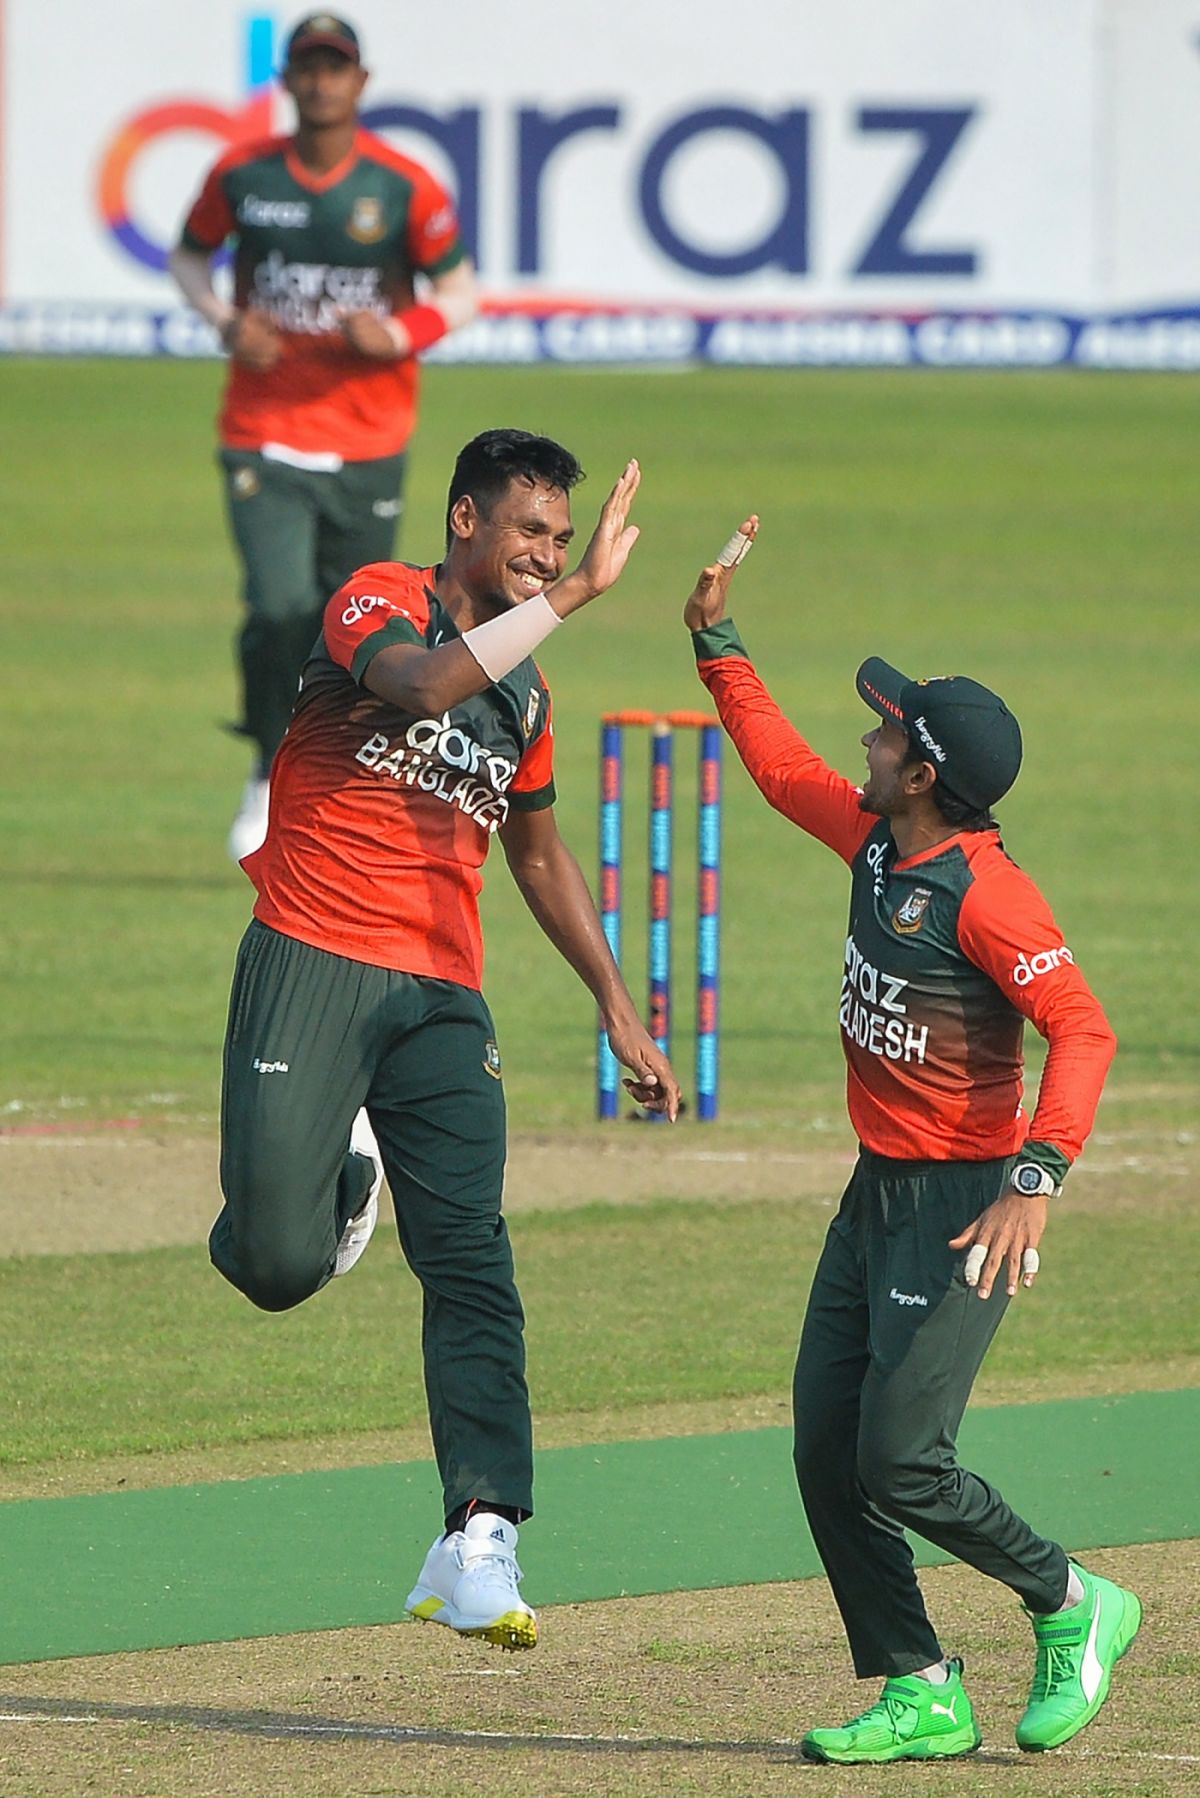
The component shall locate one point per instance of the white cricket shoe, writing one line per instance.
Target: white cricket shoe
(469, 1582)
(361, 1227)
(248, 831)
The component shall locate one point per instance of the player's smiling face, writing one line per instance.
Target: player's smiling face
(518, 547)
(885, 788)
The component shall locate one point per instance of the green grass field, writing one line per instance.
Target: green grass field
(1037, 531)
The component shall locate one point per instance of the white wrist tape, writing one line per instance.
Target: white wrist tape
(736, 550)
(503, 643)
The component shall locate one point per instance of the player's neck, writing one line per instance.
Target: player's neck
(923, 829)
(321, 147)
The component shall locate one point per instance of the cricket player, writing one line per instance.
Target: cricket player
(359, 1041)
(331, 228)
(950, 949)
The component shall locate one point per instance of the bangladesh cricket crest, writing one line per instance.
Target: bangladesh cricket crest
(531, 711)
(367, 223)
(491, 1060)
(910, 916)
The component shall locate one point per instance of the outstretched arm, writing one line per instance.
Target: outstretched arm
(422, 680)
(553, 887)
(787, 771)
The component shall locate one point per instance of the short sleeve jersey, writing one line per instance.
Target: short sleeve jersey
(380, 821)
(948, 953)
(307, 249)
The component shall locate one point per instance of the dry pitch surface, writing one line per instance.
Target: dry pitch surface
(702, 1693)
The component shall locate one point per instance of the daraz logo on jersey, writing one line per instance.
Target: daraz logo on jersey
(439, 758)
(1029, 967)
(361, 604)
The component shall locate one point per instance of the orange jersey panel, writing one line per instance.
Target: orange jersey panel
(381, 821)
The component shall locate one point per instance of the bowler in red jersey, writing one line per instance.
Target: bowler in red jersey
(359, 1041)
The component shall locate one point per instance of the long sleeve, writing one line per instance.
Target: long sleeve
(1008, 930)
(787, 771)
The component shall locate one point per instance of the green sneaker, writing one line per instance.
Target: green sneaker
(1076, 1653)
(914, 1720)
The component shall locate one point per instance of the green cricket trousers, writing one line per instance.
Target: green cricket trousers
(892, 1341)
(299, 533)
(311, 1038)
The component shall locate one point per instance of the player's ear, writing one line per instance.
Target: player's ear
(919, 777)
(464, 516)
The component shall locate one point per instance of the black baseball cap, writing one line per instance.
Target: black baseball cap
(323, 31)
(964, 730)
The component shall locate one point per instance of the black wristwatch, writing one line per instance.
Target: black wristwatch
(1033, 1181)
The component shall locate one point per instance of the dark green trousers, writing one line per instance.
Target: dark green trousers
(299, 535)
(311, 1038)
(892, 1341)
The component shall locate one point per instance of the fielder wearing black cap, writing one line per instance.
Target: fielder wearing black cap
(965, 731)
(950, 950)
(323, 31)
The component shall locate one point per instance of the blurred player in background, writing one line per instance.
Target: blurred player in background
(950, 949)
(423, 727)
(330, 226)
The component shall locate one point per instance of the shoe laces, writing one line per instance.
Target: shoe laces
(1054, 1668)
(887, 1709)
(492, 1567)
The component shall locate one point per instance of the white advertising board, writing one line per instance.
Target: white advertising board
(893, 181)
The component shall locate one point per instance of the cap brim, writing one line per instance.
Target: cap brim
(323, 40)
(880, 686)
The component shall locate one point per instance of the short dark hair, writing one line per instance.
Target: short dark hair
(487, 465)
(953, 810)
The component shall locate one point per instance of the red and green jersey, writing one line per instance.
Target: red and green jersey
(380, 821)
(948, 952)
(309, 249)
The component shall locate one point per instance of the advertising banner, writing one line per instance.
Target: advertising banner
(941, 182)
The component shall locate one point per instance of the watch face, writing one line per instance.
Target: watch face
(1028, 1179)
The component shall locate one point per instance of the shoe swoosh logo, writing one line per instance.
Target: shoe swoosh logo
(1091, 1674)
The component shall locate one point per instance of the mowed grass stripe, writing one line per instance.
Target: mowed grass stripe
(666, 1303)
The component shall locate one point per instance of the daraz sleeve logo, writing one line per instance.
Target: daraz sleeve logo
(1029, 967)
(361, 604)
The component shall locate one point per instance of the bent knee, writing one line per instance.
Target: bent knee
(272, 1278)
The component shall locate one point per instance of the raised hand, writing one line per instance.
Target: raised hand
(604, 559)
(706, 602)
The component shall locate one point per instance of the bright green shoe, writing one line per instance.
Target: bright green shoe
(1076, 1653)
(914, 1720)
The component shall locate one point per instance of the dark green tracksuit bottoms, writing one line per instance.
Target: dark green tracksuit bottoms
(892, 1340)
(311, 1038)
(299, 534)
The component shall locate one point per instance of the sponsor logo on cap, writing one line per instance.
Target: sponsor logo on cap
(927, 737)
